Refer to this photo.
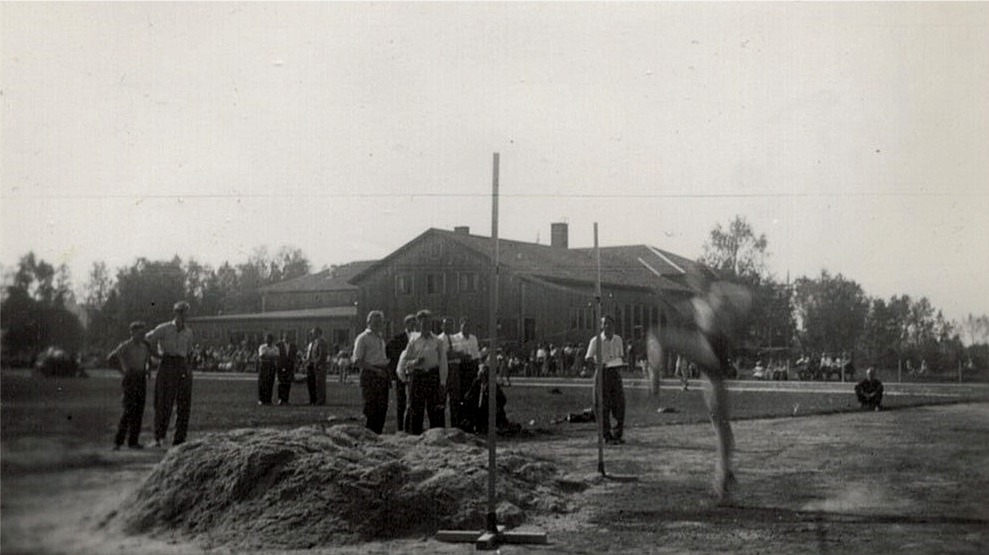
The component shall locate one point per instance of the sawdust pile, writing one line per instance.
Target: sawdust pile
(324, 486)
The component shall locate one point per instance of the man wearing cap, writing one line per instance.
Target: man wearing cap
(369, 357)
(131, 357)
(173, 385)
(612, 394)
(394, 350)
(423, 365)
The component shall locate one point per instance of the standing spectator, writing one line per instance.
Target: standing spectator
(316, 360)
(267, 367)
(870, 391)
(453, 371)
(288, 352)
(423, 364)
(394, 350)
(541, 355)
(173, 384)
(612, 394)
(682, 371)
(370, 358)
(131, 357)
(468, 352)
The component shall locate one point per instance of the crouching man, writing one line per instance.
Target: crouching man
(870, 391)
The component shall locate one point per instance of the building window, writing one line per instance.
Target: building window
(434, 284)
(468, 283)
(403, 285)
(436, 250)
(529, 329)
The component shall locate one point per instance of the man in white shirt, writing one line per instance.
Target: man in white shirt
(453, 370)
(173, 384)
(423, 364)
(394, 349)
(371, 359)
(468, 353)
(613, 394)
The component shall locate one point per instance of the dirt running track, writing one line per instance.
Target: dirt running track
(902, 481)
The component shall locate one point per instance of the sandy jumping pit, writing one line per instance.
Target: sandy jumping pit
(329, 486)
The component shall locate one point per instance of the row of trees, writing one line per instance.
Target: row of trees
(39, 307)
(821, 314)
(833, 314)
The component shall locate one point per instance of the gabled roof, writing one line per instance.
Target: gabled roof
(334, 279)
(635, 266)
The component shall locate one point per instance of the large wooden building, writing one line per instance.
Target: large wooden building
(546, 292)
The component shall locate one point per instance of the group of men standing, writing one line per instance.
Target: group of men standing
(430, 371)
(278, 359)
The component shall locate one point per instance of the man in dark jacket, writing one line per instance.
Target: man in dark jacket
(870, 391)
(393, 350)
(288, 353)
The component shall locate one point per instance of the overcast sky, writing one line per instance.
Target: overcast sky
(856, 136)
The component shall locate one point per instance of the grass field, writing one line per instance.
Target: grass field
(77, 411)
(828, 479)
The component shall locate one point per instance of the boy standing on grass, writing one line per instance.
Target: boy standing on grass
(131, 358)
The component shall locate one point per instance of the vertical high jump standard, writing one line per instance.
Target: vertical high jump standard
(493, 535)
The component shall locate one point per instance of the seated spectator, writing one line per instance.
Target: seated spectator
(870, 391)
(475, 408)
(759, 371)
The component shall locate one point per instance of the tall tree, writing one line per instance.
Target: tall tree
(33, 311)
(832, 311)
(738, 252)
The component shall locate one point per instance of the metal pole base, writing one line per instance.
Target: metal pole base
(487, 540)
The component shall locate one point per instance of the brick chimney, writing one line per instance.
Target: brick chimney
(559, 235)
(462, 229)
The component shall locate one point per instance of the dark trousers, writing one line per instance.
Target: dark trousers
(425, 399)
(374, 387)
(461, 377)
(266, 381)
(173, 386)
(867, 402)
(401, 399)
(316, 382)
(613, 400)
(285, 376)
(135, 387)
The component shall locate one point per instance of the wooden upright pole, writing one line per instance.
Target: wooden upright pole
(492, 519)
(492, 537)
(598, 359)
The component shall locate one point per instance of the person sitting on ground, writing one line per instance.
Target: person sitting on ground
(870, 391)
(475, 408)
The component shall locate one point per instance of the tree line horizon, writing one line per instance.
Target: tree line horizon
(827, 313)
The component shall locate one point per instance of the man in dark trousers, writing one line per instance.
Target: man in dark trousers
(173, 385)
(423, 364)
(288, 352)
(870, 391)
(317, 357)
(394, 350)
(466, 350)
(612, 363)
(370, 359)
(131, 357)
